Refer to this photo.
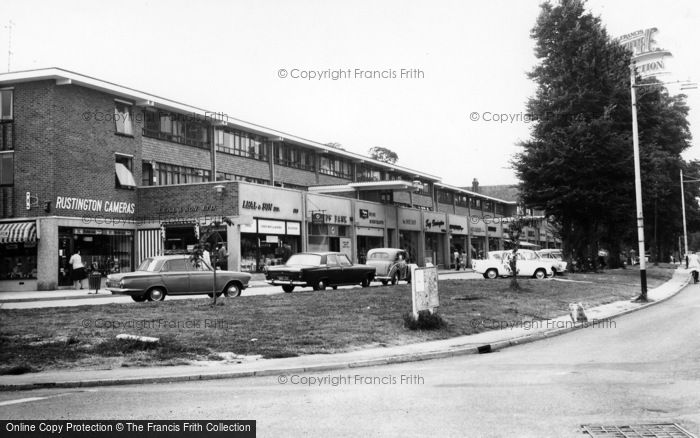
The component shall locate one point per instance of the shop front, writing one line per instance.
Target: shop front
(329, 224)
(18, 255)
(370, 222)
(494, 229)
(458, 233)
(273, 232)
(268, 242)
(435, 228)
(410, 228)
(107, 251)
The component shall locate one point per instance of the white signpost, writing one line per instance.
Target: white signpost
(424, 288)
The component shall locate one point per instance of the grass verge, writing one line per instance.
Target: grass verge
(286, 325)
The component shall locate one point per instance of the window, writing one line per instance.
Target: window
(293, 156)
(475, 203)
(178, 128)
(462, 200)
(242, 144)
(365, 173)
(146, 174)
(223, 176)
(331, 260)
(123, 118)
(169, 174)
(445, 197)
(123, 178)
(177, 265)
(488, 206)
(7, 165)
(335, 167)
(6, 96)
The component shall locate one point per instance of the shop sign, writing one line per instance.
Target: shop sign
(257, 200)
(371, 216)
(250, 227)
(477, 227)
(334, 210)
(272, 239)
(434, 223)
(293, 229)
(318, 218)
(94, 205)
(409, 219)
(346, 246)
(271, 227)
(458, 224)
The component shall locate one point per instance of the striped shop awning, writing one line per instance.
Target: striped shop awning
(17, 232)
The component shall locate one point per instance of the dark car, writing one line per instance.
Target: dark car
(390, 264)
(159, 276)
(319, 270)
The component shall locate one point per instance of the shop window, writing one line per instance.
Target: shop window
(123, 178)
(123, 117)
(445, 197)
(6, 97)
(7, 165)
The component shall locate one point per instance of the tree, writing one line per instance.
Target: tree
(578, 164)
(383, 154)
(196, 258)
(515, 230)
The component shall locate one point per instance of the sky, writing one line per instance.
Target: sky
(272, 63)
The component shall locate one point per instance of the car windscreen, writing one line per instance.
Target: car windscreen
(304, 259)
(379, 255)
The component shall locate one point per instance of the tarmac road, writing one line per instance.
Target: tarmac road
(641, 368)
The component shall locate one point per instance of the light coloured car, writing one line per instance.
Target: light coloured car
(159, 276)
(391, 265)
(529, 264)
(559, 266)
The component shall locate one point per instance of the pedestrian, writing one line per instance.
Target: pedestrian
(222, 257)
(694, 266)
(456, 256)
(77, 269)
(686, 261)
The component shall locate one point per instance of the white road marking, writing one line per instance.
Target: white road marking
(31, 399)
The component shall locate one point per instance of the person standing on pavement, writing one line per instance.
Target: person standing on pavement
(694, 266)
(456, 255)
(77, 269)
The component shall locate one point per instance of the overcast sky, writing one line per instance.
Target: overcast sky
(227, 56)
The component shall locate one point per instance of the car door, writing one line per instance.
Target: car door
(527, 263)
(201, 279)
(334, 273)
(349, 272)
(175, 276)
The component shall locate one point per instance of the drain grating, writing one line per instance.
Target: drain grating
(661, 430)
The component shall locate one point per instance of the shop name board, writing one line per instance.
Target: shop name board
(456, 227)
(187, 209)
(409, 222)
(95, 205)
(260, 206)
(370, 216)
(320, 218)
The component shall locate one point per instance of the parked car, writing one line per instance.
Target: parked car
(159, 276)
(390, 263)
(559, 266)
(319, 270)
(497, 264)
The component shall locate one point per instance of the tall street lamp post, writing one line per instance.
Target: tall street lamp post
(638, 191)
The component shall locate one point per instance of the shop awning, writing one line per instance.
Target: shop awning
(18, 232)
(126, 179)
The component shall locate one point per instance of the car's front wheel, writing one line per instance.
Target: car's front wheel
(540, 274)
(320, 285)
(366, 282)
(232, 290)
(139, 298)
(491, 273)
(156, 294)
(288, 288)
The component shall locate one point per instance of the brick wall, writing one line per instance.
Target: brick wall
(175, 153)
(242, 166)
(289, 175)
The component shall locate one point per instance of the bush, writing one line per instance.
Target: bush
(425, 321)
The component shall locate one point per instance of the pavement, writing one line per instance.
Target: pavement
(485, 342)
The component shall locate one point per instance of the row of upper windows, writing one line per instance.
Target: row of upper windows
(462, 200)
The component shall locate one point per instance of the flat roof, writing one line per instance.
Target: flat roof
(140, 98)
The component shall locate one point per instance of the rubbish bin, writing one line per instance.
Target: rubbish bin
(95, 281)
